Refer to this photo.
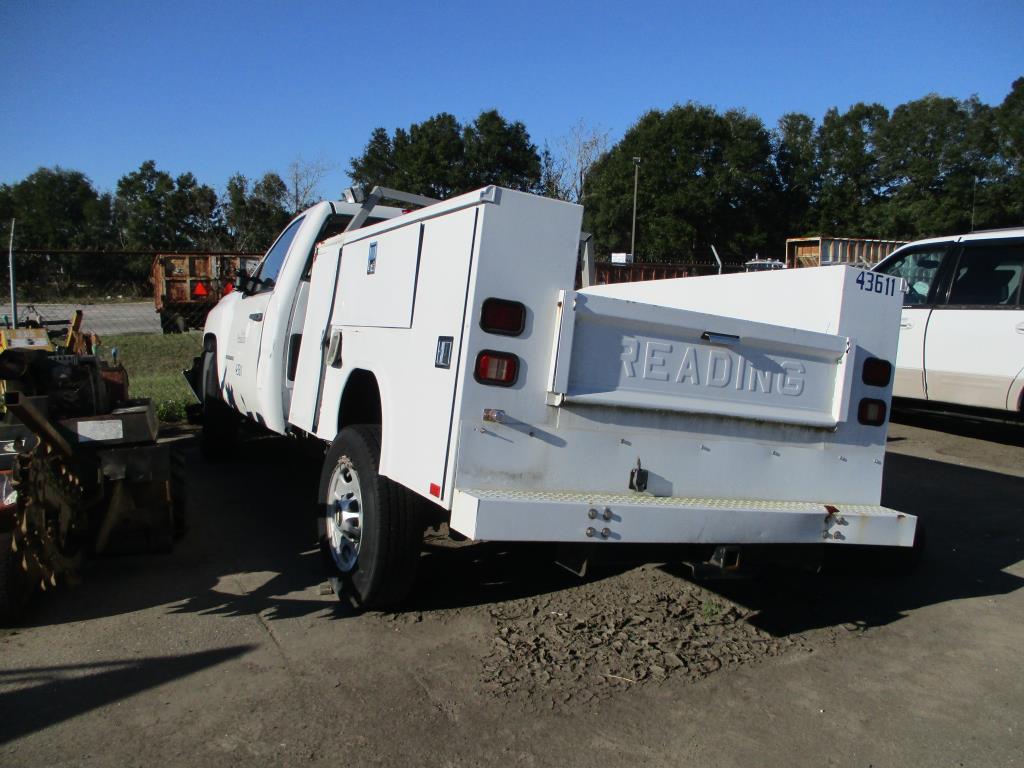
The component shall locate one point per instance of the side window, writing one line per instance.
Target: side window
(334, 225)
(988, 275)
(270, 267)
(919, 268)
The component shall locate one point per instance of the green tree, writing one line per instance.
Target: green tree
(705, 179)
(142, 209)
(255, 213)
(937, 160)
(441, 158)
(851, 186)
(1007, 188)
(377, 163)
(155, 211)
(430, 158)
(57, 208)
(196, 214)
(499, 152)
(797, 164)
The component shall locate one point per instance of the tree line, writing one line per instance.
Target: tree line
(931, 166)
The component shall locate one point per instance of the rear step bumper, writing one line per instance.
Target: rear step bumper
(503, 515)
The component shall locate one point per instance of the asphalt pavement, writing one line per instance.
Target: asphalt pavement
(104, 318)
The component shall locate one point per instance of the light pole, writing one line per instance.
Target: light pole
(636, 179)
(14, 284)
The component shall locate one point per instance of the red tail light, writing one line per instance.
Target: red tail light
(504, 317)
(876, 372)
(498, 368)
(871, 412)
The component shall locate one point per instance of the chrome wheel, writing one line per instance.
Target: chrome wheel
(344, 515)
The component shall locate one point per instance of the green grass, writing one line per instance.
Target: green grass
(154, 363)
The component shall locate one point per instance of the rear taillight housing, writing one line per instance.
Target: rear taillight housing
(877, 372)
(871, 412)
(498, 368)
(503, 317)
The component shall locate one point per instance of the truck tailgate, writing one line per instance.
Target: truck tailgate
(617, 352)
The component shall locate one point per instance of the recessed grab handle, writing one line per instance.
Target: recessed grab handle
(257, 316)
(725, 339)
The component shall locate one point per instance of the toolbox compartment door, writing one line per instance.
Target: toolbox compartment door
(630, 354)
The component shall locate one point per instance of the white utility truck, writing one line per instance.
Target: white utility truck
(441, 355)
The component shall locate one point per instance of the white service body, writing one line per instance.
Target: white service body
(737, 394)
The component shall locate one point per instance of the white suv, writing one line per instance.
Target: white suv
(962, 329)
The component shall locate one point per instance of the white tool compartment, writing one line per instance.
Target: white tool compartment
(735, 397)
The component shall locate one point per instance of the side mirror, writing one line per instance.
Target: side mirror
(243, 283)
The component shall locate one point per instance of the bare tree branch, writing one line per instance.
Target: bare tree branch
(578, 150)
(303, 179)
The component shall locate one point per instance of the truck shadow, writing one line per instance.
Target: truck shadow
(41, 697)
(250, 550)
(247, 548)
(1004, 433)
(975, 527)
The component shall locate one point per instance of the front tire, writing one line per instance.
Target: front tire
(220, 424)
(369, 526)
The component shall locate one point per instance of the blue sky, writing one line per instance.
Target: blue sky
(224, 87)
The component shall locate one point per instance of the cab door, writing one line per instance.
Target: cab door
(243, 348)
(921, 267)
(975, 343)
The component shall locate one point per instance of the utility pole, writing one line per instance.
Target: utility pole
(10, 267)
(636, 179)
(974, 195)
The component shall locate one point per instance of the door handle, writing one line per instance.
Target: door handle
(724, 339)
(906, 324)
(257, 316)
(1019, 327)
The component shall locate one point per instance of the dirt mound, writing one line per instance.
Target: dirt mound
(588, 641)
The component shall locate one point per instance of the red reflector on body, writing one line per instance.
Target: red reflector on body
(504, 317)
(871, 412)
(435, 490)
(876, 372)
(199, 290)
(499, 368)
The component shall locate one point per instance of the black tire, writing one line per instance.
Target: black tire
(14, 588)
(391, 530)
(220, 424)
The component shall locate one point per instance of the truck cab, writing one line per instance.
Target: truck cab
(257, 328)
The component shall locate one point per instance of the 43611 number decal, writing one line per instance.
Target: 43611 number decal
(876, 283)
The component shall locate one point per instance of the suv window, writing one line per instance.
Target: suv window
(919, 268)
(988, 275)
(270, 267)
